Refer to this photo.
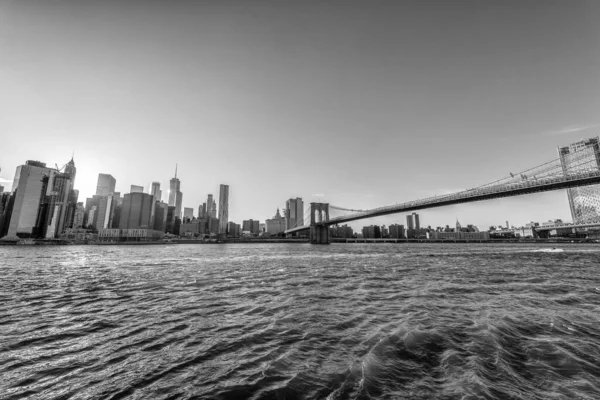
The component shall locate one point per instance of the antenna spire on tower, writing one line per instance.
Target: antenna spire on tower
(175, 170)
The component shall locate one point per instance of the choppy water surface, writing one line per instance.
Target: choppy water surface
(294, 321)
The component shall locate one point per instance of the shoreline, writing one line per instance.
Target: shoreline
(305, 241)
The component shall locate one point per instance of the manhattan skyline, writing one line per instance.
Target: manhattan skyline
(367, 105)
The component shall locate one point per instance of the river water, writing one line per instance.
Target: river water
(295, 321)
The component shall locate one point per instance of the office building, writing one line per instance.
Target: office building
(233, 229)
(104, 212)
(55, 204)
(137, 211)
(42, 199)
(202, 211)
(6, 206)
(29, 189)
(213, 226)
(175, 195)
(178, 205)
(343, 231)
(223, 208)
(90, 216)
(71, 208)
(275, 225)
(1, 189)
(250, 226)
(209, 204)
(71, 171)
(155, 191)
(106, 185)
(211, 207)
(396, 231)
(294, 213)
(117, 208)
(171, 219)
(412, 221)
(371, 232)
(584, 201)
(194, 228)
(106, 208)
(188, 213)
(136, 189)
(413, 226)
(161, 211)
(78, 216)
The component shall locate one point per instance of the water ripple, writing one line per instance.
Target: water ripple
(294, 321)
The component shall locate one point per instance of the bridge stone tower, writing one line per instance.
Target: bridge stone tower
(319, 214)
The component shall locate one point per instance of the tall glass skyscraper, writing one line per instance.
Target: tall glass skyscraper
(29, 188)
(584, 201)
(106, 185)
(223, 208)
(156, 192)
(211, 207)
(175, 195)
(42, 200)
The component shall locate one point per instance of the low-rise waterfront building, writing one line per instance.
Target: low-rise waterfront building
(458, 235)
(129, 235)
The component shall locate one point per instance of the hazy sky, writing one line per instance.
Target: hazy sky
(366, 102)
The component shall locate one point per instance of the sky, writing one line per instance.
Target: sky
(359, 104)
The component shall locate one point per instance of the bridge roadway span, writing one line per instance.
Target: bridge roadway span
(471, 195)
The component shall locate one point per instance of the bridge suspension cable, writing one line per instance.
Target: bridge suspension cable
(345, 209)
(300, 221)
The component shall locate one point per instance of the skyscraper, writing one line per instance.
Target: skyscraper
(409, 222)
(188, 213)
(161, 211)
(71, 171)
(42, 198)
(106, 185)
(584, 201)
(136, 189)
(104, 212)
(137, 211)
(209, 206)
(175, 195)
(156, 192)
(294, 213)
(223, 208)
(178, 204)
(29, 188)
(56, 204)
(78, 216)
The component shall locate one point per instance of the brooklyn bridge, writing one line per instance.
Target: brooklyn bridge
(581, 168)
